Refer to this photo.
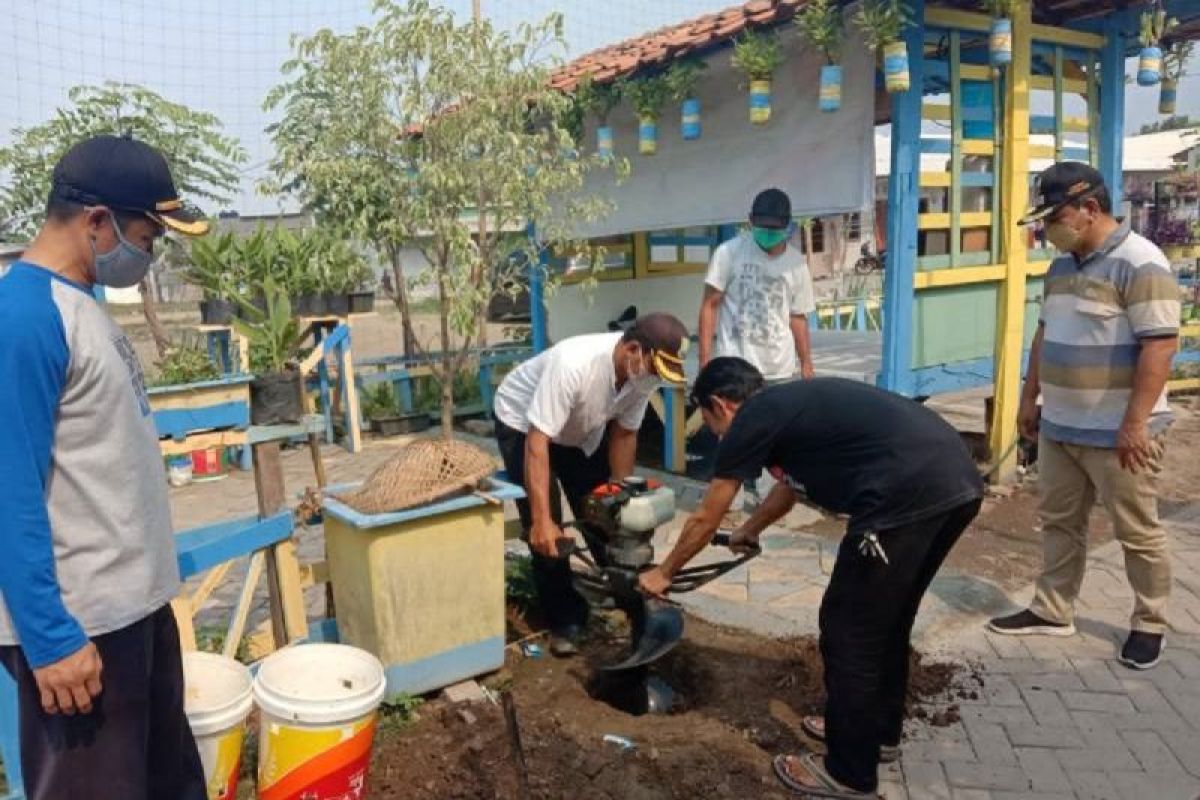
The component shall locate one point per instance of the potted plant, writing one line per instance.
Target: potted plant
(185, 363)
(600, 99)
(1154, 26)
(758, 55)
(383, 412)
(647, 95)
(882, 23)
(274, 336)
(212, 268)
(682, 78)
(1173, 236)
(1000, 39)
(1174, 62)
(820, 23)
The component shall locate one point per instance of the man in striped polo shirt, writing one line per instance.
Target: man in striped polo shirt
(1100, 361)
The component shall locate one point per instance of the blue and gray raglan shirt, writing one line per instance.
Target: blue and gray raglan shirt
(86, 522)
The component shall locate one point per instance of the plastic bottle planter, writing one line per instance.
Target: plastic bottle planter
(1000, 42)
(1149, 66)
(1166, 96)
(604, 141)
(895, 66)
(760, 102)
(831, 87)
(647, 136)
(689, 121)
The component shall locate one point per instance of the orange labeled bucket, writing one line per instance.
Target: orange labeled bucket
(317, 721)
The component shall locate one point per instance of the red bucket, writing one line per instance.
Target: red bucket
(207, 463)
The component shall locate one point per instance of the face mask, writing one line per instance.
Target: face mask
(1063, 237)
(123, 266)
(768, 238)
(640, 379)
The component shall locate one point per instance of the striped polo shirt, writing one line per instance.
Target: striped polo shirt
(1096, 311)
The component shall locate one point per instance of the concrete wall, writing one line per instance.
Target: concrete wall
(573, 310)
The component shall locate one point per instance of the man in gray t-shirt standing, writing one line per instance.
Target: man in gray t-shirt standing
(89, 570)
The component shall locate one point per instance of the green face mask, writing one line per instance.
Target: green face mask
(768, 238)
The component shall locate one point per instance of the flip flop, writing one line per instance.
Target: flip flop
(813, 727)
(827, 787)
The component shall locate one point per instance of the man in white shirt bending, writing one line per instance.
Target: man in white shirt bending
(571, 415)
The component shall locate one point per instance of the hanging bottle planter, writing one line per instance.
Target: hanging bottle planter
(647, 136)
(604, 141)
(758, 55)
(689, 118)
(1000, 42)
(760, 102)
(1166, 96)
(895, 66)
(820, 23)
(882, 23)
(681, 80)
(647, 95)
(831, 87)
(1149, 66)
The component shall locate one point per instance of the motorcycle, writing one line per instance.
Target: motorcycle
(869, 262)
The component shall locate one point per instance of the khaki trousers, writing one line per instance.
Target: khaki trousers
(1072, 476)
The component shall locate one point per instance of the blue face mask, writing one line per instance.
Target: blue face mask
(123, 266)
(769, 238)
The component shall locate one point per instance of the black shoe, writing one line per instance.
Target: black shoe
(1027, 623)
(1142, 650)
(564, 642)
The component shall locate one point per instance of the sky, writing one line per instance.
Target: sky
(223, 56)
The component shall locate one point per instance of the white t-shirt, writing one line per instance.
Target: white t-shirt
(569, 393)
(761, 293)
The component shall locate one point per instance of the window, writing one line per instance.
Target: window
(854, 226)
(682, 249)
(818, 235)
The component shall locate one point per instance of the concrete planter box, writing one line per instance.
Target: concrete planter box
(422, 589)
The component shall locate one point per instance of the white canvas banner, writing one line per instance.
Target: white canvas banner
(824, 160)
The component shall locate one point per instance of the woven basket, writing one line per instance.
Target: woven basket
(422, 472)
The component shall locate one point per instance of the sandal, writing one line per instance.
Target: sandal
(813, 727)
(820, 783)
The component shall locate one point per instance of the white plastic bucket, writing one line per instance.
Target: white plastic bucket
(217, 700)
(317, 721)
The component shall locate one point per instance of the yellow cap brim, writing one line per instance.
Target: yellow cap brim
(1036, 215)
(195, 227)
(669, 367)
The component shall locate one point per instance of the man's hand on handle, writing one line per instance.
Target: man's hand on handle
(543, 539)
(70, 684)
(654, 582)
(743, 543)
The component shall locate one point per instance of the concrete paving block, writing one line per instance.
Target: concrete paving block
(1044, 770)
(1097, 701)
(1051, 736)
(1152, 752)
(991, 743)
(1092, 784)
(925, 779)
(1145, 785)
(1046, 706)
(987, 776)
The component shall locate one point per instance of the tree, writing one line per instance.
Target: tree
(1171, 123)
(419, 131)
(204, 161)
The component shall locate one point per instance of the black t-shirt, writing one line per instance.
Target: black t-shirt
(854, 449)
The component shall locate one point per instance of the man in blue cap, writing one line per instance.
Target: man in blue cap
(89, 568)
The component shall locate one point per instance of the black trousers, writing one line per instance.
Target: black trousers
(135, 744)
(579, 474)
(866, 621)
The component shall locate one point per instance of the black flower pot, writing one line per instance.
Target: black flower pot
(399, 424)
(316, 305)
(216, 311)
(275, 398)
(362, 302)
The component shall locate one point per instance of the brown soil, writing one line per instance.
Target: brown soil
(739, 699)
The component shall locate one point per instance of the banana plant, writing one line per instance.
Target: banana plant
(274, 335)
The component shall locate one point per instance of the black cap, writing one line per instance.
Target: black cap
(126, 175)
(1060, 184)
(771, 209)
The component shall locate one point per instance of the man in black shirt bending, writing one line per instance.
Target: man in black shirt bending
(909, 486)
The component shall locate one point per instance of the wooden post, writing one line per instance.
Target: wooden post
(1010, 323)
(182, 608)
(288, 617)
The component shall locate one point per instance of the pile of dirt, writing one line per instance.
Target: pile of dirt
(738, 700)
